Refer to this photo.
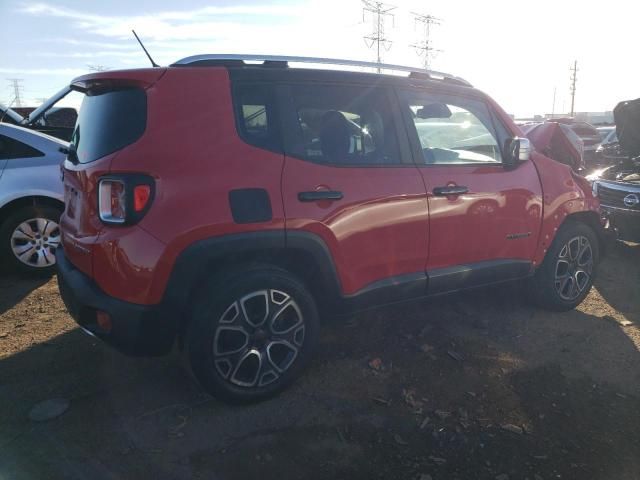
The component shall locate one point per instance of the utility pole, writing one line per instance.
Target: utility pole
(379, 12)
(16, 85)
(572, 88)
(553, 107)
(423, 47)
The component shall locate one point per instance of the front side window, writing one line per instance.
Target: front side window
(452, 131)
(343, 125)
(11, 148)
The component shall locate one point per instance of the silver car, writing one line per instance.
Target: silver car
(31, 198)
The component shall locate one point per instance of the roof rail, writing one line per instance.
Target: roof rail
(285, 60)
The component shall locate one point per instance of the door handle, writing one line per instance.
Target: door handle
(319, 195)
(450, 190)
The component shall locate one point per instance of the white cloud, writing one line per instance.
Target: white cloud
(62, 72)
(94, 54)
(168, 25)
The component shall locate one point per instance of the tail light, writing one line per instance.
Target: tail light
(124, 199)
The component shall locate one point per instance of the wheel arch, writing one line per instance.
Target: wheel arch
(27, 201)
(592, 220)
(302, 254)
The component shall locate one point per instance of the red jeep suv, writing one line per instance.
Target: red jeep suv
(229, 206)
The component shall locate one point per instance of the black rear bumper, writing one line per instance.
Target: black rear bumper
(140, 330)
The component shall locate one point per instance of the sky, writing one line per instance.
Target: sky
(518, 53)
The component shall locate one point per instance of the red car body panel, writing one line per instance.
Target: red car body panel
(387, 225)
(80, 225)
(378, 230)
(565, 193)
(476, 226)
(208, 141)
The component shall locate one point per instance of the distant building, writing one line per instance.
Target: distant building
(594, 118)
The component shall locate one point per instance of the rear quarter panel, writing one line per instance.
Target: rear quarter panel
(192, 150)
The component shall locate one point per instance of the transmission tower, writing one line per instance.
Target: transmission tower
(572, 86)
(97, 68)
(15, 84)
(424, 46)
(379, 12)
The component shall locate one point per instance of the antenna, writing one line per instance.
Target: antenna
(145, 50)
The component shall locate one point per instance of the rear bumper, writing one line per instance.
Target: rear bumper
(140, 330)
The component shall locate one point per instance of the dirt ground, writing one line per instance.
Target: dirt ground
(473, 386)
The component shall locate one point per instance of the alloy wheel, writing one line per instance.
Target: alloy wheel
(258, 338)
(34, 242)
(574, 268)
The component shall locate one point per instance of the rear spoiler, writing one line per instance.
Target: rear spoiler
(142, 78)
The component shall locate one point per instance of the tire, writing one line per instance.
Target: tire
(242, 358)
(28, 239)
(567, 273)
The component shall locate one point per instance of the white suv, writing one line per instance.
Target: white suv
(31, 198)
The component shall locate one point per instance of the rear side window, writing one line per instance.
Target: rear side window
(109, 121)
(256, 118)
(10, 148)
(343, 125)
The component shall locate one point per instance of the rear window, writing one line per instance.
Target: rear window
(109, 121)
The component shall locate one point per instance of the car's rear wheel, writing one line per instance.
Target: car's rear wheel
(566, 275)
(251, 334)
(29, 238)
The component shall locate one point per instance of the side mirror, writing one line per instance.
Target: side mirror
(517, 150)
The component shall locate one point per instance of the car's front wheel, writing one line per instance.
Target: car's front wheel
(29, 237)
(251, 334)
(566, 275)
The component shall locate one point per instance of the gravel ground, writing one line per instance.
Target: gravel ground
(472, 386)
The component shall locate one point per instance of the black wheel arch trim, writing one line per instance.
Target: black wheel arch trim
(198, 259)
(321, 276)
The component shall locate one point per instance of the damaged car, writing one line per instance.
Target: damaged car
(618, 186)
(557, 141)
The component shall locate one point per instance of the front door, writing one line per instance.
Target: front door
(350, 180)
(484, 219)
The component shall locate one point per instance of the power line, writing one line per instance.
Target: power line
(379, 12)
(424, 47)
(572, 86)
(16, 85)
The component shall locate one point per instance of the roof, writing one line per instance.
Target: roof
(273, 61)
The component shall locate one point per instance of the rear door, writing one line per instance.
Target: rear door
(484, 219)
(349, 179)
